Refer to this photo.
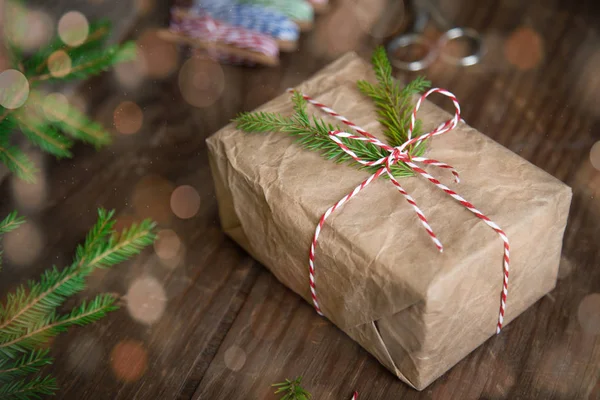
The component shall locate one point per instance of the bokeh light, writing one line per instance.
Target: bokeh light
(55, 106)
(340, 33)
(595, 155)
(124, 221)
(378, 19)
(588, 314)
(146, 300)
(73, 28)
(234, 358)
(14, 89)
(79, 102)
(565, 268)
(23, 245)
(144, 6)
(132, 73)
(185, 202)
(59, 64)
(583, 68)
(161, 57)
(128, 118)
(524, 48)
(84, 354)
(167, 244)
(201, 81)
(30, 196)
(129, 360)
(25, 28)
(151, 199)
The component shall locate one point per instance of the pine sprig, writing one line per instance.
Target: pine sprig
(29, 316)
(77, 125)
(28, 389)
(11, 222)
(96, 39)
(16, 161)
(392, 102)
(313, 134)
(45, 129)
(91, 63)
(40, 133)
(24, 365)
(394, 107)
(292, 390)
(44, 329)
(102, 249)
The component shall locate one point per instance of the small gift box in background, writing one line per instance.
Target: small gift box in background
(376, 273)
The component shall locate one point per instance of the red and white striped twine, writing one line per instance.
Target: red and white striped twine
(400, 154)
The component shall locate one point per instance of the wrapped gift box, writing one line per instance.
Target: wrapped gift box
(379, 277)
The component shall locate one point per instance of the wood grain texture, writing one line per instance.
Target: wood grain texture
(229, 329)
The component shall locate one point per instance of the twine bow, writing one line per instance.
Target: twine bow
(400, 154)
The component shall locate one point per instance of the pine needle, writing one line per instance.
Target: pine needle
(26, 364)
(28, 389)
(16, 161)
(68, 119)
(79, 126)
(29, 316)
(86, 313)
(394, 106)
(96, 40)
(292, 390)
(91, 63)
(102, 249)
(11, 222)
(89, 58)
(42, 134)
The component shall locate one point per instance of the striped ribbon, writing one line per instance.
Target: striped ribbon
(400, 154)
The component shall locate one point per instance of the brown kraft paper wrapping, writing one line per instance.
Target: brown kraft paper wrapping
(379, 277)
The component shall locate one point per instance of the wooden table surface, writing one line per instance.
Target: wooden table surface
(203, 320)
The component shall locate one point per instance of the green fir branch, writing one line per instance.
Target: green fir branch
(314, 135)
(101, 230)
(74, 123)
(11, 156)
(28, 363)
(292, 390)
(28, 389)
(11, 222)
(91, 63)
(394, 106)
(86, 59)
(26, 306)
(40, 133)
(29, 316)
(16, 161)
(40, 333)
(38, 299)
(96, 40)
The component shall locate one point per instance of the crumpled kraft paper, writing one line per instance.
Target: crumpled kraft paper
(379, 277)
